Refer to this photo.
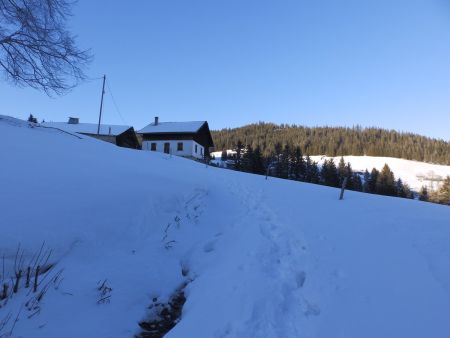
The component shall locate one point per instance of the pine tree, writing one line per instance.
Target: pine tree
(247, 159)
(285, 164)
(298, 165)
(423, 195)
(224, 156)
(342, 170)
(32, 119)
(408, 192)
(278, 166)
(314, 173)
(258, 162)
(372, 183)
(442, 196)
(324, 172)
(238, 159)
(329, 173)
(350, 177)
(385, 184)
(308, 163)
(357, 183)
(366, 187)
(400, 188)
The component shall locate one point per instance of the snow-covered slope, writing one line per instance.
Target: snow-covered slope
(416, 174)
(262, 258)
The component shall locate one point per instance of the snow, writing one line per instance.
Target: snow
(415, 173)
(218, 154)
(264, 258)
(88, 128)
(172, 127)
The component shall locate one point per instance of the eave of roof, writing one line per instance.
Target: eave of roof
(191, 127)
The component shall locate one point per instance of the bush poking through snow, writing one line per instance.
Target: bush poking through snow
(104, 292)
(24, 273)
(33, 275)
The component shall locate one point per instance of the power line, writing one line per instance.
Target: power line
(114, 102)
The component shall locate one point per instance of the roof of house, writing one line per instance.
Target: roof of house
(172, 127)
(88, 128)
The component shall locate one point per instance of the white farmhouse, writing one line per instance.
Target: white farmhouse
(188, 139)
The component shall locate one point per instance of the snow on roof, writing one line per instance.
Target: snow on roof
(88, 128)
(172, 127)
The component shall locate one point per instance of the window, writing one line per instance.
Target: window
(167, 148)
(153, 146)
(180, 146)
(196, 149)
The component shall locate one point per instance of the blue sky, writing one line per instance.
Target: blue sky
(340, 63)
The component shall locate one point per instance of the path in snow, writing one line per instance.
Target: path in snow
(282, 257)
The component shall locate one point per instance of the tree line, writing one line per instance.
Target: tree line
(336, 141)
(288, 162)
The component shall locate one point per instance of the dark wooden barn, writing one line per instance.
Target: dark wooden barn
(122, 136)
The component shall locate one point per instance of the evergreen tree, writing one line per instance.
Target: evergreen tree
(442, 196)
(238, 159)
(329, 173)
(423, 195)
(324, 172)
(224, 156)
(278, 166)
(400, 188)
(342, 170)
(408, 192)
(312, 171)
(351, 178)
(298, 165)
(258, 162)
(372, 183)
(357, 183)
(32, 119)
(285, 164)
(366, 187)
(247, 159)
(385, 184)
(308, 163)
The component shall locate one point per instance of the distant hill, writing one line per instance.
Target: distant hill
(337, 141)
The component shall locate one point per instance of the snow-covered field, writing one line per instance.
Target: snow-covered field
(416, 174)
(263, 258)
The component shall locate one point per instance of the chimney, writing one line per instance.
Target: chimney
(156, 120)
(73, 120)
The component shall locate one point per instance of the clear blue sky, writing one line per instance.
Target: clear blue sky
(375, 63)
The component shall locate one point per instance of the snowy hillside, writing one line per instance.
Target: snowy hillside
(255, 258)
(416, 174)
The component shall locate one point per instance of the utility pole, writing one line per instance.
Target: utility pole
(101, 106)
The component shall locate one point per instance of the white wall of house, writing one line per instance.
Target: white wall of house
(190, 147)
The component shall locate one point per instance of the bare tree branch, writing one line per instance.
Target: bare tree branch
(36, 49)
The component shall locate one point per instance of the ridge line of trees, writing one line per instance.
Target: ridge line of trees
(336, 141)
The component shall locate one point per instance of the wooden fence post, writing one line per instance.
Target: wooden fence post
(344, 183)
